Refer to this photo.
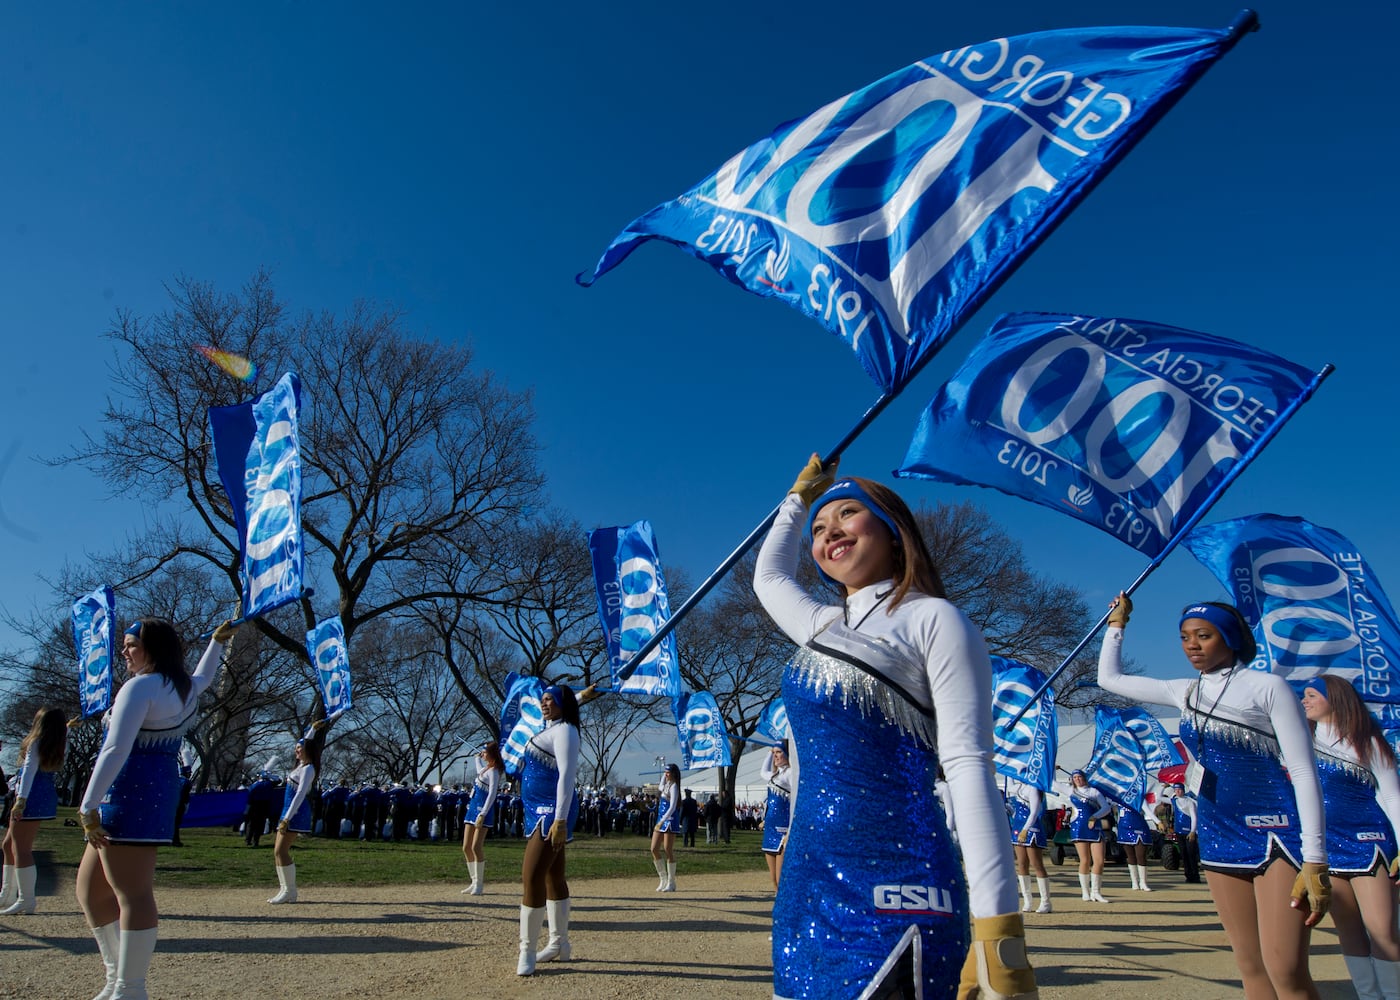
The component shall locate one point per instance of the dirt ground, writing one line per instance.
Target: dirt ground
(629, 942)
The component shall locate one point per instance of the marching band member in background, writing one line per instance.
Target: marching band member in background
(481, 814)
(41, 754)
(663, 837)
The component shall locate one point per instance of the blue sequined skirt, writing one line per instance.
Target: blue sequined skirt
(1020, 812)
(1358, 834)
(1132, 829)
(42, 802)
(479, 795)
(140, 806)
(869, 855)
(300, 821)
(776, 817)
(538, 786)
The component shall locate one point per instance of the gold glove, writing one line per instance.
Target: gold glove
(91, 822)
(1395, 868)
(588, 694)
(1023, 837)
(558, 834)
(1119, 611)
(284, 826)
(997, 967)
(814, 480)
(17, 810)
(1312, 889)
(225, 631)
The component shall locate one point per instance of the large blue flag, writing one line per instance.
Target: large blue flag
(891, 214)
(326, 646)
(1026, 751)
(1126, 425)
(255, 444)
(1314, 603)
(94, 640)
(700, 730)
(773, 727)
(632, 606)
(521, 719)
(1118, 767)
(1159, 750)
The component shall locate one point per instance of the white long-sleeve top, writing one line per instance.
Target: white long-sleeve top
(956, 683)
(1034, 799)
(488, 777)
(1255, 698)
(560, 740)
(668, 801)
(145, 702)
(1328, 741)
(302, 778)
(27, 771)
(781, 777)
(1095, 801)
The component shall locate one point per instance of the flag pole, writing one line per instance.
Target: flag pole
(1185, 529)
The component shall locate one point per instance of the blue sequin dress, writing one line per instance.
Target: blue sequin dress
(870, 868)
(1360, 838)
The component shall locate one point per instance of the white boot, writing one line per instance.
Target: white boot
(1132, 876)
(25, 903)
(670, 877)
(10, 892)
(1084, 886)
(1142, 879)
(660, 865)
(1043, 884)
(1026, 901)
(1363, 976)
(134, 953)
(1096, 889)
(108, 944)
(1388, 975)
(479, 879)
(287, 879)
(531, 920)
(558, 947)
(475, 888)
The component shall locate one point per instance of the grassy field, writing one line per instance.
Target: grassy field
(215, 856)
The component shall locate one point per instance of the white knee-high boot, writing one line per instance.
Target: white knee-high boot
(1026, 901)
(1043, 885)
(134, 953)
(479, 879)
(660, 865)
(1096, 889)
(10, 891)
(558, 946)
(108, 944)
(1084, 886)
(670, 877)
(531, 920)
(1142, 879)
(1363, 977)
(25, 903)
(287, 879)
(1388, 976)
(1132, 876)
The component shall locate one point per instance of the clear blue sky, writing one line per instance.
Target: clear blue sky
(465, 161)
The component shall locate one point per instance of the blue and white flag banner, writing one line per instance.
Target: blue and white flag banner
(1118, 767)
(700, 730)
(632, 606)
(95, 643)
(521, 719)
(255, 444)
(326, 646)
(1314, 603)
(1159, 750)
(1026, 751)
(891, 214)
(773, 727)
(1124, 424)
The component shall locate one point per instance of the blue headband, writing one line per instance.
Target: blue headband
(554, 691)
(1224, 622)
(849, 489)
(134, 629)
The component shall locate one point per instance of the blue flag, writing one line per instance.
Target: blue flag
(1314, 603)
(1027, 752)
(891, 214)
(1118, 767)
(773, 726)
(700, 730)
(632, 605)
(94, 640)
(521, 719)
(1158, 748)
(255, 444)
(326, 646)
(1123, 424)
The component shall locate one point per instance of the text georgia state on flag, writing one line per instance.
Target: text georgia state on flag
(1314, 603)
(1124, 424)
(326, 646)
(891, 214)
(259, 459)
(1026, 751)
(700, 731)
(94, 641)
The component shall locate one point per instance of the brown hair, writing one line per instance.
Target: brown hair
(913, 566)
(1353, 722)
(50, 732)
(492, 752)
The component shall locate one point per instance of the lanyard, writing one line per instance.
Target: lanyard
(846, 611)
(1209, 715)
